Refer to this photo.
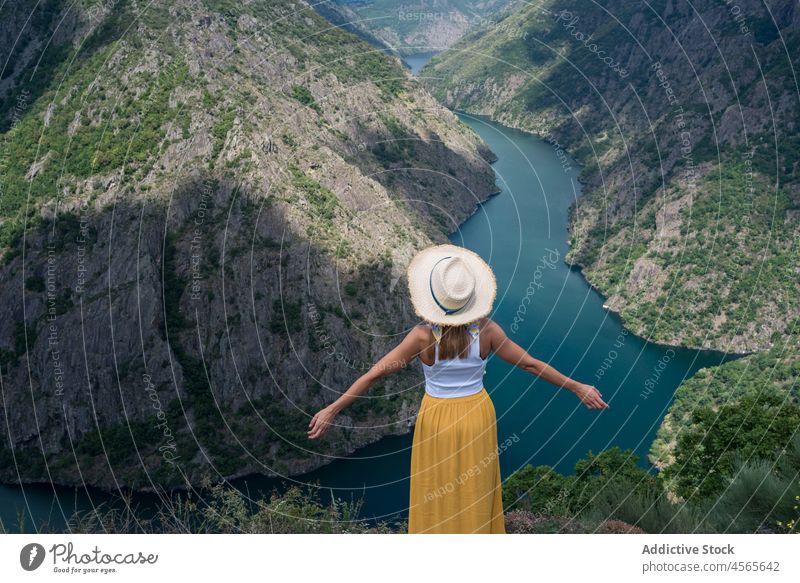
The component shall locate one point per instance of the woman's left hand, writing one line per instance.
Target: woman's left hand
(320, 422)
(590, 397)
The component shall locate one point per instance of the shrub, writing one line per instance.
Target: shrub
(221, 509)
(304, 96)
(34, 283)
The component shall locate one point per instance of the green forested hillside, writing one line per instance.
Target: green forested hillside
(749, 407)
(691, 210)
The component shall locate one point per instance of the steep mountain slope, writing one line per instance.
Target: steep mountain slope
(207, 209)
(685, 117)
(421, 26)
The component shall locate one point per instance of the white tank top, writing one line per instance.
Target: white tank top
(456, 377)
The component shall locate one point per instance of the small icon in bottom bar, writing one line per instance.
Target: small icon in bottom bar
(31, 556)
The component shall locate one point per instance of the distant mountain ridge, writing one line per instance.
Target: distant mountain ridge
(419, 26)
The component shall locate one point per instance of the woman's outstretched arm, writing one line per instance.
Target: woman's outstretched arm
(399, 357)
(514, 354)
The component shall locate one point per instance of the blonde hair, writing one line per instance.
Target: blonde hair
(454, 342)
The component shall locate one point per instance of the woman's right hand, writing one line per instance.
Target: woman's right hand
(590, 397)
(321, 422)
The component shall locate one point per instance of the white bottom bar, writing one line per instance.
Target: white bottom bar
(402, 558)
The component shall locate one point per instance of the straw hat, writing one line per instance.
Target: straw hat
(450, 285)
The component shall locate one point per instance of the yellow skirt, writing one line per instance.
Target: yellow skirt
(455, 470)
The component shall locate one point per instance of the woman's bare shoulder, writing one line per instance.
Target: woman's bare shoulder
(421, 332)
(492, 329)
(490, 325)
(421, 336)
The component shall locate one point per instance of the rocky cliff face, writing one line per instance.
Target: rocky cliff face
(685, 118)
(207, 212)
